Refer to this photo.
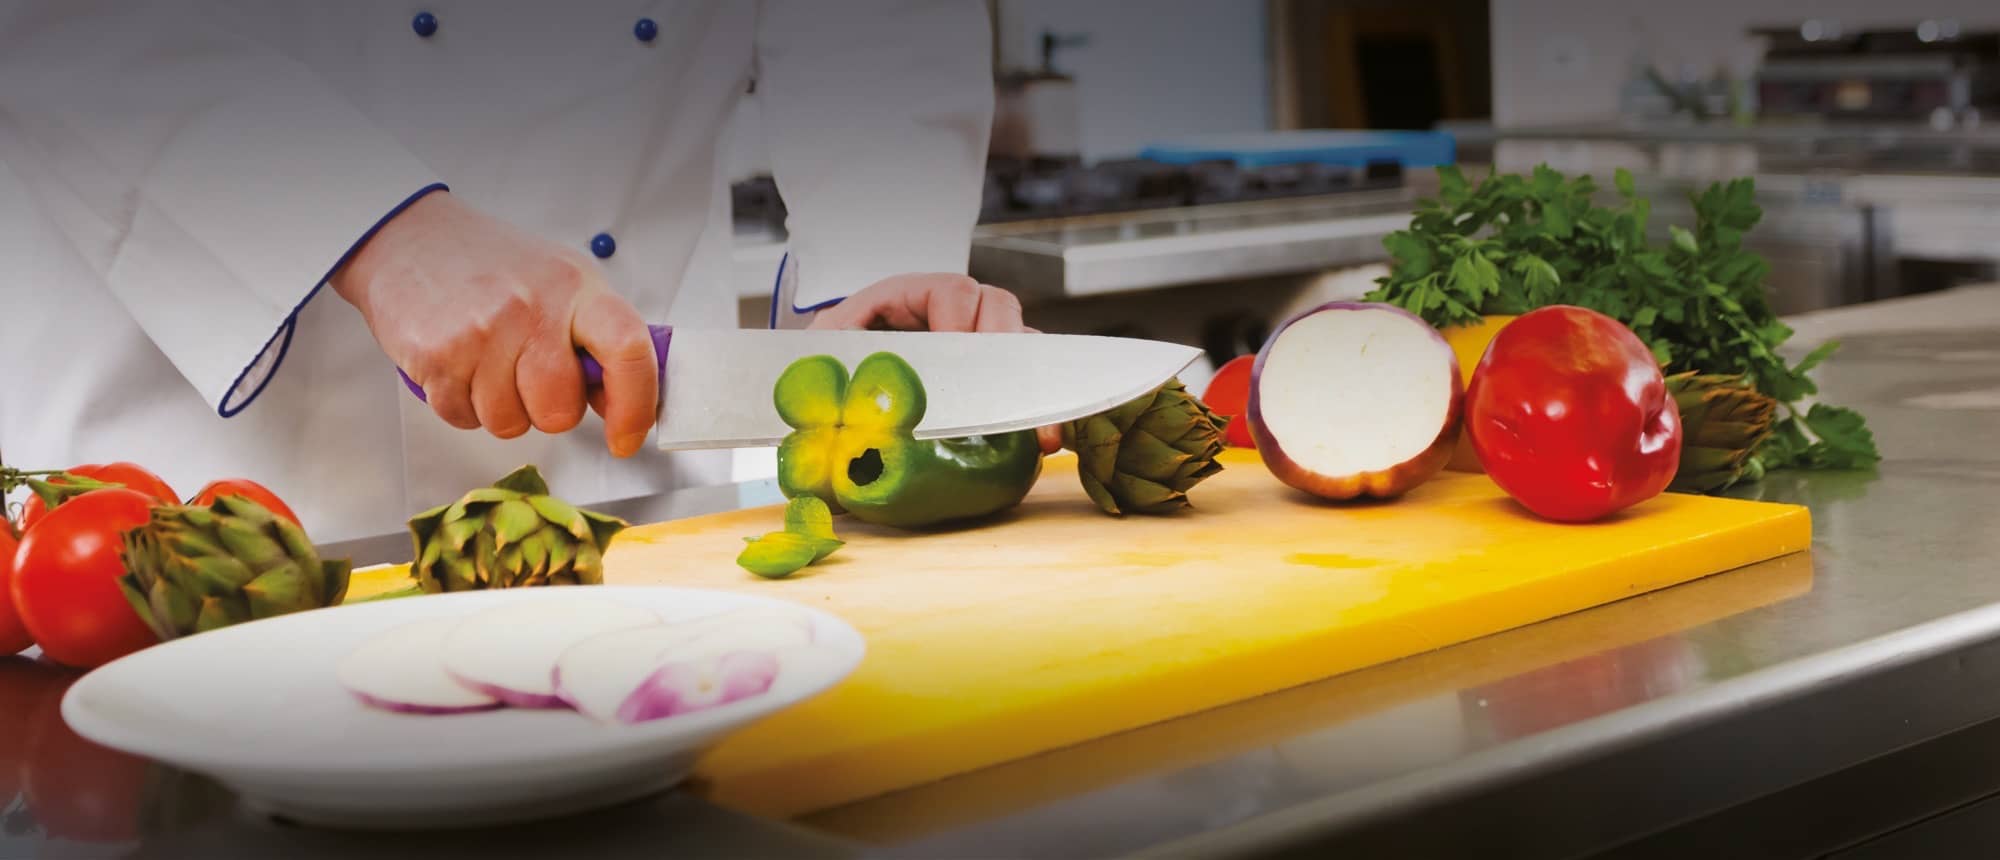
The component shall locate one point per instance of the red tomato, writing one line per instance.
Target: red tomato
(248, 489)
(66, 579)
(14, 637)
(1570, 415)
(1228, 395)
(132, 475)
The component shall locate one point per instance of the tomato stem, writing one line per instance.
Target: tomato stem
(59, 486)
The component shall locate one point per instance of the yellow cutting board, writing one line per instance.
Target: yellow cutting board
(1056, 624)
(1601, 659)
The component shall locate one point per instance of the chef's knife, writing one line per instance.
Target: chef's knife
(717, 394)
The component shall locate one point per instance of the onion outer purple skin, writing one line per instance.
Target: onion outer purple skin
(510, 697)
(424, 710)
(666, 692)
(1379, 484)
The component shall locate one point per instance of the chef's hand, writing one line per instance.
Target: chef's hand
(933, 302)
(486, 318)
(925, 302)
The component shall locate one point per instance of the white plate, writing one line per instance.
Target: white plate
(256, 706)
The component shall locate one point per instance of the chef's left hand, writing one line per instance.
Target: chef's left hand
(933, 302)
(925, 302)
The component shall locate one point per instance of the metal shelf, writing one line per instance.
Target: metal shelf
(1128, 252)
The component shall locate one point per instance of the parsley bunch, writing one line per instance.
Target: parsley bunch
(1515, 243)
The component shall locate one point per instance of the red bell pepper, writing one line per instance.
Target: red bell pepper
(1570, 415)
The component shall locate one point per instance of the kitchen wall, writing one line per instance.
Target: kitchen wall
(1565, 60)
(1149, 69)
(1145, 70)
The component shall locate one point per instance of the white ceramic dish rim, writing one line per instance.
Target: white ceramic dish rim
(562, 751)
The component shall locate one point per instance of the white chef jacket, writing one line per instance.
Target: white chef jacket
(177, 179)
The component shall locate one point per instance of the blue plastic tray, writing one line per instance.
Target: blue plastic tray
(1346, 148)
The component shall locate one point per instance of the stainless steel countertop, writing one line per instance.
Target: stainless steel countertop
(1900, 573)
(1130, 251)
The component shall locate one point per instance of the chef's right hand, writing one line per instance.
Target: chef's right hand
(486, 318)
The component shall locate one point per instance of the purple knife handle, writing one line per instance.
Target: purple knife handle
(593, 373)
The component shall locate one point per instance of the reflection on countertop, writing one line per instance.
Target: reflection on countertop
(58, 789)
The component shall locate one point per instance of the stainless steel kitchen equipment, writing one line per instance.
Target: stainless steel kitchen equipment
(1135, 251)
(1035, 112)
(1933, 70)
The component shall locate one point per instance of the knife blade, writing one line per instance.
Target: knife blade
(716, 393)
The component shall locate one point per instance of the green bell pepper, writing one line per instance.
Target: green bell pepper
(853, 445)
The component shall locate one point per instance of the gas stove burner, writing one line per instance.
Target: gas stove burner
(1220, 182)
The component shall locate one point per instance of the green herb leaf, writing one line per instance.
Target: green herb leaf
(1555, 220)
(1844, 439)
(1451, 185)
(1540, 278)
(1786, 445)
(1819, 354)
(1415, 255)
(1683, 240)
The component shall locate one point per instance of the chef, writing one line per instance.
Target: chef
(224, 226)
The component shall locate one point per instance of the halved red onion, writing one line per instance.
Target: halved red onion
(1355, 399)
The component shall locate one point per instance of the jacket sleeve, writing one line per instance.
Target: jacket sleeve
(213, 181)
(877, 115)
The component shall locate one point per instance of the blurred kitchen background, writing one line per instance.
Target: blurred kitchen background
(1197, 170)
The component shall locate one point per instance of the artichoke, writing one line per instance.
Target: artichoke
(194, 568)
(1144, 456)
(1723, 420)
(510, 535)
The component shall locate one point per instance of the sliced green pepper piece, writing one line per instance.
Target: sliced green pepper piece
(809, 517)
(869, 462)
(781, 554)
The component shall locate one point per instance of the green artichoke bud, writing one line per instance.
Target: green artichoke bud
(191, 568)
(1144, 456)
(1723, 420)
(510, 535)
